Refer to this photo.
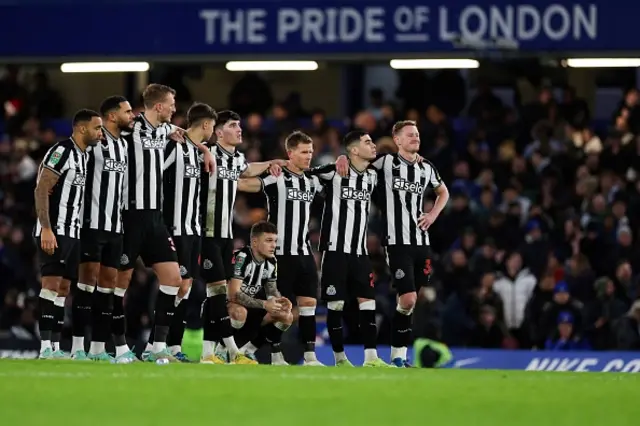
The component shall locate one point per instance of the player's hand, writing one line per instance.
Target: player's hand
(177, 135)
(285, 303)
(209, 162)
(425, 221)
(48, 241)
(342, 166)
(275, 169)
(273, 307)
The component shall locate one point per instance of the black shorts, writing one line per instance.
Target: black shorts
(297, 276)
(346, 277)
(101, 247)
(216, 259)
(146, 235)
(64, 261)
(410, 267)
(188, 248)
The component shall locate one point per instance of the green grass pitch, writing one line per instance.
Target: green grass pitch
(68, 393)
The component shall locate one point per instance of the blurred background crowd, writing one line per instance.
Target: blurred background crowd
(538, 247)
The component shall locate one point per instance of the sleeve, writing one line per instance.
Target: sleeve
(434, 180)
(318, 185)
(170, 154)
(267, 179)
(274, 274)
(325, 172)
(239, 262)
(378, 163)
(57, 159)
(243, 164)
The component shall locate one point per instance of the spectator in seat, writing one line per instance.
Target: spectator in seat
(564, 337)
(515, 286)
(603, 313)
(628, 329)
(562, 302)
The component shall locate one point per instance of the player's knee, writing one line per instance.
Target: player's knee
(88, 273)
(63, 289)
(367, 305)
(216, 289)
(108, 277)
(124, 278)
(287, 319)
(238, 315)
(336, 305)
(307, 302)
(407, 301)
(168, 273)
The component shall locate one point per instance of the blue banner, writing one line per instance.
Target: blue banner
(483, 359)
(170, 28)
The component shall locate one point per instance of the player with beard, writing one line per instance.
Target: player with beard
(403, 181)
(101, 240)
(59, 197)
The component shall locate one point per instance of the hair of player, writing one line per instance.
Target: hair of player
(226, 116)
(263, 227)
(353, 137)
(199, 112)
(112, 103)
(295, 139)
(83, 116)
(155, 93)
(397, 128)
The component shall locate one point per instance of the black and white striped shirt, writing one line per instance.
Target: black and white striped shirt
(219, 192)
(347, 203)
(146, 159)
(181, 204)
(253, 274)
(401, 197)
(106, 171)
(289, 198)
(67, 160)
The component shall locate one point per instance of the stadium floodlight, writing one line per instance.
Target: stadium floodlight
(75, 67)
(272, 66)
(603, 62)
(433, 64)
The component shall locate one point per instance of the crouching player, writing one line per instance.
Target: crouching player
(253, 297)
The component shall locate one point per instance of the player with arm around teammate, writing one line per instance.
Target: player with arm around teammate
(254, 277)
(346, 268)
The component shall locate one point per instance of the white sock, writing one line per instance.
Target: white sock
(77, 344)
(370, 354)
(277, 357)
(230, 344)
(55, 346)
(149, 347)
(158, 347)
(339, 356)
(96, 348)
(248, 348)
(399, 353)
(121, 350)
(310, 356)
(44, 345)
(175, 349)
(208, 348)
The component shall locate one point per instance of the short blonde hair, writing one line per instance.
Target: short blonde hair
(397, 128)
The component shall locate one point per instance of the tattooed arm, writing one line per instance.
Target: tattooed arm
(271, 288)
(46, 181)
(248, 301)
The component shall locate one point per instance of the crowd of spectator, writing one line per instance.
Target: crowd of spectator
(538, 247)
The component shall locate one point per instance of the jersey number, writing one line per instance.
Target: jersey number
(171, 244)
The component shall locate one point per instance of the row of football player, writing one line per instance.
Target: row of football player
(290, 187)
